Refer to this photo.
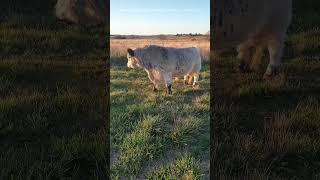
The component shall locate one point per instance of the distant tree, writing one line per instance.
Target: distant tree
(162, 36)
(120, 37)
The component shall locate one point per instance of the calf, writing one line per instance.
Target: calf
(163, 63)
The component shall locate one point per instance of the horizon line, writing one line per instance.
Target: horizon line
(156, 34)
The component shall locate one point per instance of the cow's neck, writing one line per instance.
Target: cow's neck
(143, 59)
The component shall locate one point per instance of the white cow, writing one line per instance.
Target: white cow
(251, 26)
(163, 63)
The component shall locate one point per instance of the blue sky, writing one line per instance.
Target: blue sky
(147, 17)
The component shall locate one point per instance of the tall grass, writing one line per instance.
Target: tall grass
(118, 47)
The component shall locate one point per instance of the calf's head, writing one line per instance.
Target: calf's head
(132, 59)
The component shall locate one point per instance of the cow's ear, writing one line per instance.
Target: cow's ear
(130, 52)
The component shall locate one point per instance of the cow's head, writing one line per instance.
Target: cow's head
(132, 59)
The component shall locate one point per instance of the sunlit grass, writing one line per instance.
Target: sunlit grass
(146, 125)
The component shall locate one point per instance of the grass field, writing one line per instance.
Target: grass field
(52, 96)
(53, 112)
(270, 129)
(119, 46)
(156, 136)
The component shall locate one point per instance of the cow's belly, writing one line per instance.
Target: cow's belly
(179, 74)
(182, 71)
(157, 75)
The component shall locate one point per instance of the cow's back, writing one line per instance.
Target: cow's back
(235, 21)
(190, 54)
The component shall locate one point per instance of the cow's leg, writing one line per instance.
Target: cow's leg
(244, 55)
(195, 79)
(256, 58)
(275, 48)
(153, 80)
(155, 86)
(185, 79)
(196, 72)
(190, 79)
(168, 81)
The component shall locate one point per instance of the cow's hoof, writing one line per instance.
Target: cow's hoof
(267, 77)
(242, 67)
(270, 73)
(169, 89)
(155, 89)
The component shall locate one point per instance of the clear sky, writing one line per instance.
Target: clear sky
(151, 17)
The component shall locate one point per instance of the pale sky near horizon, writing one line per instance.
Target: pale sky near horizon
(152, 17)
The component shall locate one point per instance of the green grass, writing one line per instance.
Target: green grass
(53, 108)
(149, 129)
(52, 99)
(184, 168)
(270, 129)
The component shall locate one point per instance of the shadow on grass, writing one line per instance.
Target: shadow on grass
(249, 128)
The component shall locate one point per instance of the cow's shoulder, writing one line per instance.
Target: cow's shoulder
(155, 50)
